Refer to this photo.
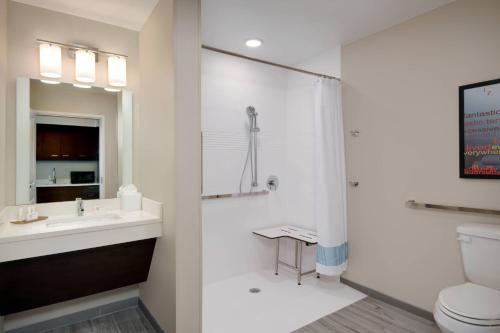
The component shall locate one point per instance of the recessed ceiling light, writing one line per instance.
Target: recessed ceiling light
(253, 42)
(109, 89)
(79, 85)
(50, 81)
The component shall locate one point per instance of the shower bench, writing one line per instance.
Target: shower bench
(300, 236)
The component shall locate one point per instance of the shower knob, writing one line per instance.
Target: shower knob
(272, 183)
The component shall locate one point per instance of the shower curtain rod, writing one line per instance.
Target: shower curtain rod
(214, 49)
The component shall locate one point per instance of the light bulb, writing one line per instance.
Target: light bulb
(253, 42)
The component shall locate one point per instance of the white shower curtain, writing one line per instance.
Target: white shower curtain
(330, 179)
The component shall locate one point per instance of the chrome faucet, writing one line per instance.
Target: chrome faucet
(79, 207)
(53, 177)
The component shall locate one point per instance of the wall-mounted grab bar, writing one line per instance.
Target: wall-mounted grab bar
(414, 204)
(233, 195)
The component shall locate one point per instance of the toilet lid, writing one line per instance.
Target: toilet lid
(472, 301)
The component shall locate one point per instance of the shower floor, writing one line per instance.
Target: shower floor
(280, 307)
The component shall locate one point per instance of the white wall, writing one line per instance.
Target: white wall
(400, 90)
(284, 102)
(3, 79)
(229, 85)
(327, 62)
(188, 232)
(156, 155)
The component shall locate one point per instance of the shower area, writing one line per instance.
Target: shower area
(260, 170)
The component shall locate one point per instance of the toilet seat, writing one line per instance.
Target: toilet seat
(467, 320)
(472, 304)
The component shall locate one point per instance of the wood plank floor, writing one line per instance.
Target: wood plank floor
(126, 321)
(370, 316)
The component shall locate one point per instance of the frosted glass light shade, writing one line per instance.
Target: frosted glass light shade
(85, 66)
(50, 60)
(81, 85)
(117, 71)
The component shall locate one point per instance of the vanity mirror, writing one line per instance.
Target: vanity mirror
(71, 142)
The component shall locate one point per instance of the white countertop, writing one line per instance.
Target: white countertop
(21, 241)
(16, 232)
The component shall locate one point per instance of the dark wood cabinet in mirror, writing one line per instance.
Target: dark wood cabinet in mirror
(65, 143)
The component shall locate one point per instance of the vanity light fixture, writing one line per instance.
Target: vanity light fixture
(117, 71)
(111, 89)
(50, 60)
(50, 81)
(85, 66)
(80, 85)
(253, 42)
(85, 63)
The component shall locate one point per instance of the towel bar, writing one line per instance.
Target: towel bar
(415, 204)
(233, 195)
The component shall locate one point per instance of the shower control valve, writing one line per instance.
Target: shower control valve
(272, 183)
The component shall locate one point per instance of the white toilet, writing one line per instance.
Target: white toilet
(474, 307)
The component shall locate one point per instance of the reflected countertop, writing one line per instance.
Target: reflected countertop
(60, 183)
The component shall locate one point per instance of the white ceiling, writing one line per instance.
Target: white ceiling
(129, 14)
(295, 30)
(292, 30)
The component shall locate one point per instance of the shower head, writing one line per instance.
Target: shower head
(253, 119)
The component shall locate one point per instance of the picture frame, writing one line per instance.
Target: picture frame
(479, 116)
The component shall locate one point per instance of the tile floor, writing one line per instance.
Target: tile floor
(370, 316)
(125, 321)
(318, 306)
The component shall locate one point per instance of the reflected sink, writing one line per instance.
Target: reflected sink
(82, 220)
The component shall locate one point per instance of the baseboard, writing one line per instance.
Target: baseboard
(389, 300)
(78, 316)
(150, 317)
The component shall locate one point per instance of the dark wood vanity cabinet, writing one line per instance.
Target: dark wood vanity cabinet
(66, 193)
(31, 283)
(67, 143)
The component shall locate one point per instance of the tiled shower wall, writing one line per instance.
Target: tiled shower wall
(285, 104)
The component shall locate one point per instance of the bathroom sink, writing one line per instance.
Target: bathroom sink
(82, 220)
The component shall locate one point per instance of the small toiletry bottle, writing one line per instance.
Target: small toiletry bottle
(29, 213)
(34, 214)
(20, 214)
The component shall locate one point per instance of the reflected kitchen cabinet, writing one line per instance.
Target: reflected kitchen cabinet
(88, 143)
(48, 143)
(57, 142)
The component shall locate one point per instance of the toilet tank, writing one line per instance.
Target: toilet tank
(480, 244)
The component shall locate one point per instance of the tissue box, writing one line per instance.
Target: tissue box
(131, 201)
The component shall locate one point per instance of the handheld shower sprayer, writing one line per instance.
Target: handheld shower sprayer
(252, 148)
(252, 115)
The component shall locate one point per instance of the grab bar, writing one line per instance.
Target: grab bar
(415, 204)
(233, 195)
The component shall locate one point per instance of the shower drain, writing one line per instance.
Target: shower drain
(254, 290)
